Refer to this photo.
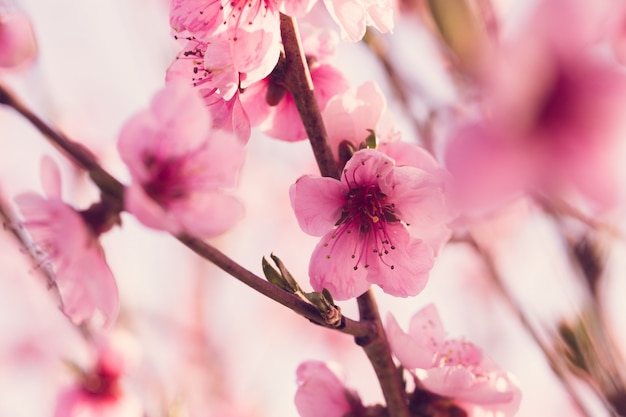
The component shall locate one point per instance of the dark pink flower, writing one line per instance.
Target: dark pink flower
(321, 393)
(70, 250)
(380, 224)
(250, 30)
(180, 166)
(452, 368)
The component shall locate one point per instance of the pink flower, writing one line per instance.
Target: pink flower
(321, 393)
(353, 16)
(282, 120)
(180, 166)
(251, 30)
(18, 45)
(352, 116)
(70, 249)
(380, 224)
(452, 368)
(98, 392)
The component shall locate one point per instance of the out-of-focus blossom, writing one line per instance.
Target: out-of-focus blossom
(553, 120)
(68, 246)
(18, 45)
(452, 368)
(380, 224)
(353, 16)
(352, 116)
(98, 392)
(321, 392)
(180, 166)
(283, 121)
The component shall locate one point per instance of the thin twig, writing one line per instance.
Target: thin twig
(524, 320)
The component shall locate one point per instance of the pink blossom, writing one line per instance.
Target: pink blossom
(70, 250)
(180, 166)
(98, 392)
(380, 224)
(18, 45)
(353, 16)
(282, 120)
(452, 368)
(553, 122)
(321, 393)
(352, 116)
(250, 30)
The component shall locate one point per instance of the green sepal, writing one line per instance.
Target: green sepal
(371, 141)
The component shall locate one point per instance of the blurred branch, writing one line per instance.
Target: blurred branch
(424, 129)
(550, 355)
(115, 190)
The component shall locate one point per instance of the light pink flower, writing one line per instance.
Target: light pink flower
(18, 45)
(250, 30)
(353, 16)
(180, 166)
(352, 116)
(380, 224)
(211, 72)
(452, 368)
(70, 250)
(321, 393)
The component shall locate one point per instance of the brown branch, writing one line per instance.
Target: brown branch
(294, 75)
(377, 350)
(548, 353)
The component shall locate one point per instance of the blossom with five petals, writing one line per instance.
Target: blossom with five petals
(180, 167)
(380, 224)
(451, 368)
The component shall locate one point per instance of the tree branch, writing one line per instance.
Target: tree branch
(295, 76)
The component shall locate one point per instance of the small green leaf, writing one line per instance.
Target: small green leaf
(286, 275)
(274, 276)
(371, 141)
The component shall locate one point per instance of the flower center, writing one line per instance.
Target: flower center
(166, 183)
(368, 211)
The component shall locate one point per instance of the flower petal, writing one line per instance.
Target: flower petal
(317, 203)
(412, 352)
(332, 266)
(403, 271)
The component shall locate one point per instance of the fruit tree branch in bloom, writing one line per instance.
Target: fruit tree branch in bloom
(297, 79)
(114, 189)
